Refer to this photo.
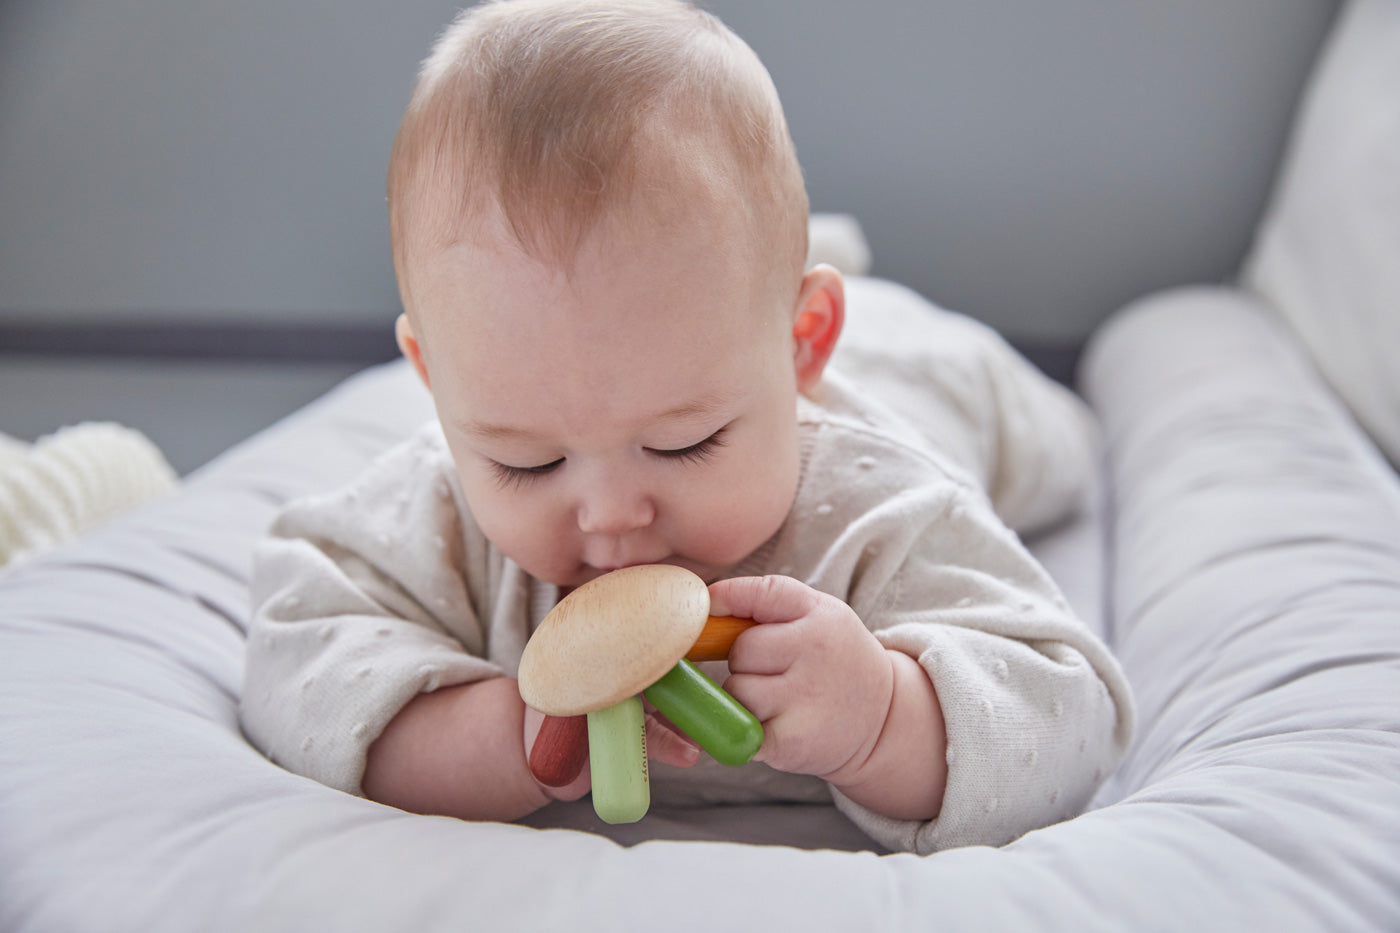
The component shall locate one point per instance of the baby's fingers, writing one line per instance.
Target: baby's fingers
(667, 745)
(772, 598)
(787, 731)
(759, 694)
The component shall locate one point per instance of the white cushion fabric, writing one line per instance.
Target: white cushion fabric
(1256, 595)
(1256, 607)
(1327, 255)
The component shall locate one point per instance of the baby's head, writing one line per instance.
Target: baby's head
(564, 116)
(599, 229)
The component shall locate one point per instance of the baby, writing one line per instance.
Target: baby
(600, 232)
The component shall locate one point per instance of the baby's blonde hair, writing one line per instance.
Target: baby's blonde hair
(567, 112)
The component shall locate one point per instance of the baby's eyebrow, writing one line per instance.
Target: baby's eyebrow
(697, 408)
(497, 432)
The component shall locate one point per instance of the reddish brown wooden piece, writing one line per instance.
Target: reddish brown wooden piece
(560, 749)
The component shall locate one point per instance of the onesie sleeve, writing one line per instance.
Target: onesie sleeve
(358, 606)
(1036, 709)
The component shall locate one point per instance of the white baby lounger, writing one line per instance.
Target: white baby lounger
(1246, 569)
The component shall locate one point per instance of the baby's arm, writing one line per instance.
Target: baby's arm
(835, 703)
(342, 660)
(1031, 710)
(350, 680)
(365, 638)
(457, 752)
(461, 752)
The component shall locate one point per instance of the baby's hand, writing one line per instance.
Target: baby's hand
(814, 675)
(663, 744)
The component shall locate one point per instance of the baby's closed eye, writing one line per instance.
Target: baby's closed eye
(695, 453)
(514, 477)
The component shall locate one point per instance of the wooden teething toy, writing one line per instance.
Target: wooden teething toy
(629, 632)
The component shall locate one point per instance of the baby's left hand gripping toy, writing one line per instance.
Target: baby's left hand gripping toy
(629, 632)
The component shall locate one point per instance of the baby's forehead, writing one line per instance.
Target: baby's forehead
(684, 221)
(638, 275)
(623, 334)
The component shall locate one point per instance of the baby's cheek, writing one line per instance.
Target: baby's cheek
(738, 519)
(535, 538)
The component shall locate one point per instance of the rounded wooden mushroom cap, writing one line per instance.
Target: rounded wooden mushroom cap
(612, 638)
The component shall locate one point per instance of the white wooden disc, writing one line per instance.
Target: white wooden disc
(612, 638)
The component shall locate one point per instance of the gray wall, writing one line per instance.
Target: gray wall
(1035, 164)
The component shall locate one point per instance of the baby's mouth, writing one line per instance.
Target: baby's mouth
(598, 570)
(707, 572)
(592, 571)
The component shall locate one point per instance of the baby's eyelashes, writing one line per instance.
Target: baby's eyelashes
(513, 477)
(695, 453)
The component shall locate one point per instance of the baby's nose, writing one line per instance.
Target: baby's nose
(615, 510)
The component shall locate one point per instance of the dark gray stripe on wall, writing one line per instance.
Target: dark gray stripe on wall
(294, 338)
(224, 338)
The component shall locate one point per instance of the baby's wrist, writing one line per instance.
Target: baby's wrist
(863, 766)
(905, 772)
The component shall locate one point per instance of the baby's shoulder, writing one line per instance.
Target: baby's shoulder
(851, 441)
(402, 481)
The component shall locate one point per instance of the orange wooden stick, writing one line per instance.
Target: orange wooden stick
(717, 637)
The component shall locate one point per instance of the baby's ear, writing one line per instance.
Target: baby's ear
(816, 324)
(408, 346)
